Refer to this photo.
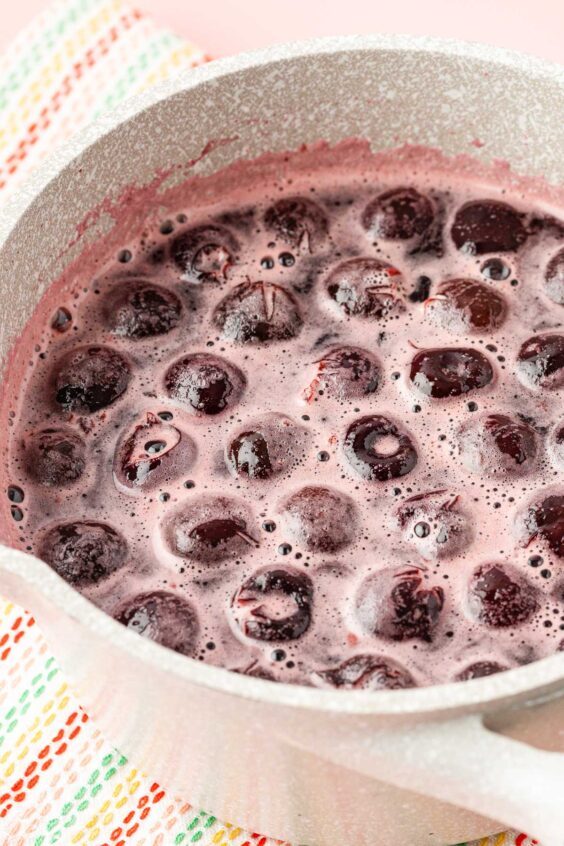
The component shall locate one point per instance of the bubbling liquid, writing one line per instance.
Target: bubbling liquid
(310, 428)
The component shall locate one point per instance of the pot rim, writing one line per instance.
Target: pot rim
(544, 675)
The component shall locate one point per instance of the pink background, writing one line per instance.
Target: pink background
(227, 26)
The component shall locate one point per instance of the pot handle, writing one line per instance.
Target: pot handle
(463, 762)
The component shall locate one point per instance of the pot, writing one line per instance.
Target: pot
(433, 765)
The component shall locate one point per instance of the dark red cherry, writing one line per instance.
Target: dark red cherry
(399, 605)
(378, 450)
(497, 444)
(163, 617)
(488, 226)
(210, 529)
(544, 520)
(366, 287)
(554, 278)
(255, 312)
(480, 669)
(367, 672)
(83, 553)
(464, 305)
(540, 362)
(137, 309)
(450, 372)
(345, 373)
(266, 447)
(320, 519)
(206, 384)
(298, 221)
(274, 604)
(436, 524)
(398, 215)
(54, 457)
(500, 597)
(88, 379)
(205, 253)
(152, 453)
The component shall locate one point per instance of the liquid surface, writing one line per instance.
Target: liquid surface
(311, 432)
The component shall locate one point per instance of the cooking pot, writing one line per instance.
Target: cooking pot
(432, 765)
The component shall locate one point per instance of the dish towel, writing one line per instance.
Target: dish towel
(60, 779)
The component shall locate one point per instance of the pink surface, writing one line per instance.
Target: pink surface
(228, 26)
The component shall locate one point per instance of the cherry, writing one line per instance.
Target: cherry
(479, 670)
(151, 453)
(464, 305)
(163, 617)
(83, 553)
(255, 312)
(378, 450)
(274, 604)
(488, 226)
(210, 530)
(500, 597)
(138, 309)
(395, 604)
(554, 278)
(366, 287)
(54, 457)
(435, 524)
(206, 384)
(298, 221)
(544, 520)
(398, 215)
(450, 371)
(540, 362)
(205, 253)
(345, 373)
(557, 443)
(320, 519)
(265, 447)
(496, 444)
(90, 378)
(367, 672)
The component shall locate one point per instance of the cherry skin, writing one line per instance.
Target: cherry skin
(210, 530)
(164, 617)
(378, 450)
(320, 519)
(398, 605)
(367, 288)
(540, 362)
(256, 312)
(54, 458)
(367, 672)
(297, 221)
(152, 453)
(497, 445)
(345, 373)
(90, 378)
(274, 604)
(138, 309)
(500, 597)
(83, 553)
(398, 215)
(464, 305)
(450, 372)
(205, 384)
(266, 447)
(488, 226)
(435, 524)
(479, 670)
(554, 278)
(544, 521)
(205, 254)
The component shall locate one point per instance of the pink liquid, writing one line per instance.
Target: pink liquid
(423, 620)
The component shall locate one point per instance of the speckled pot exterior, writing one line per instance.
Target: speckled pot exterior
(405, 767)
